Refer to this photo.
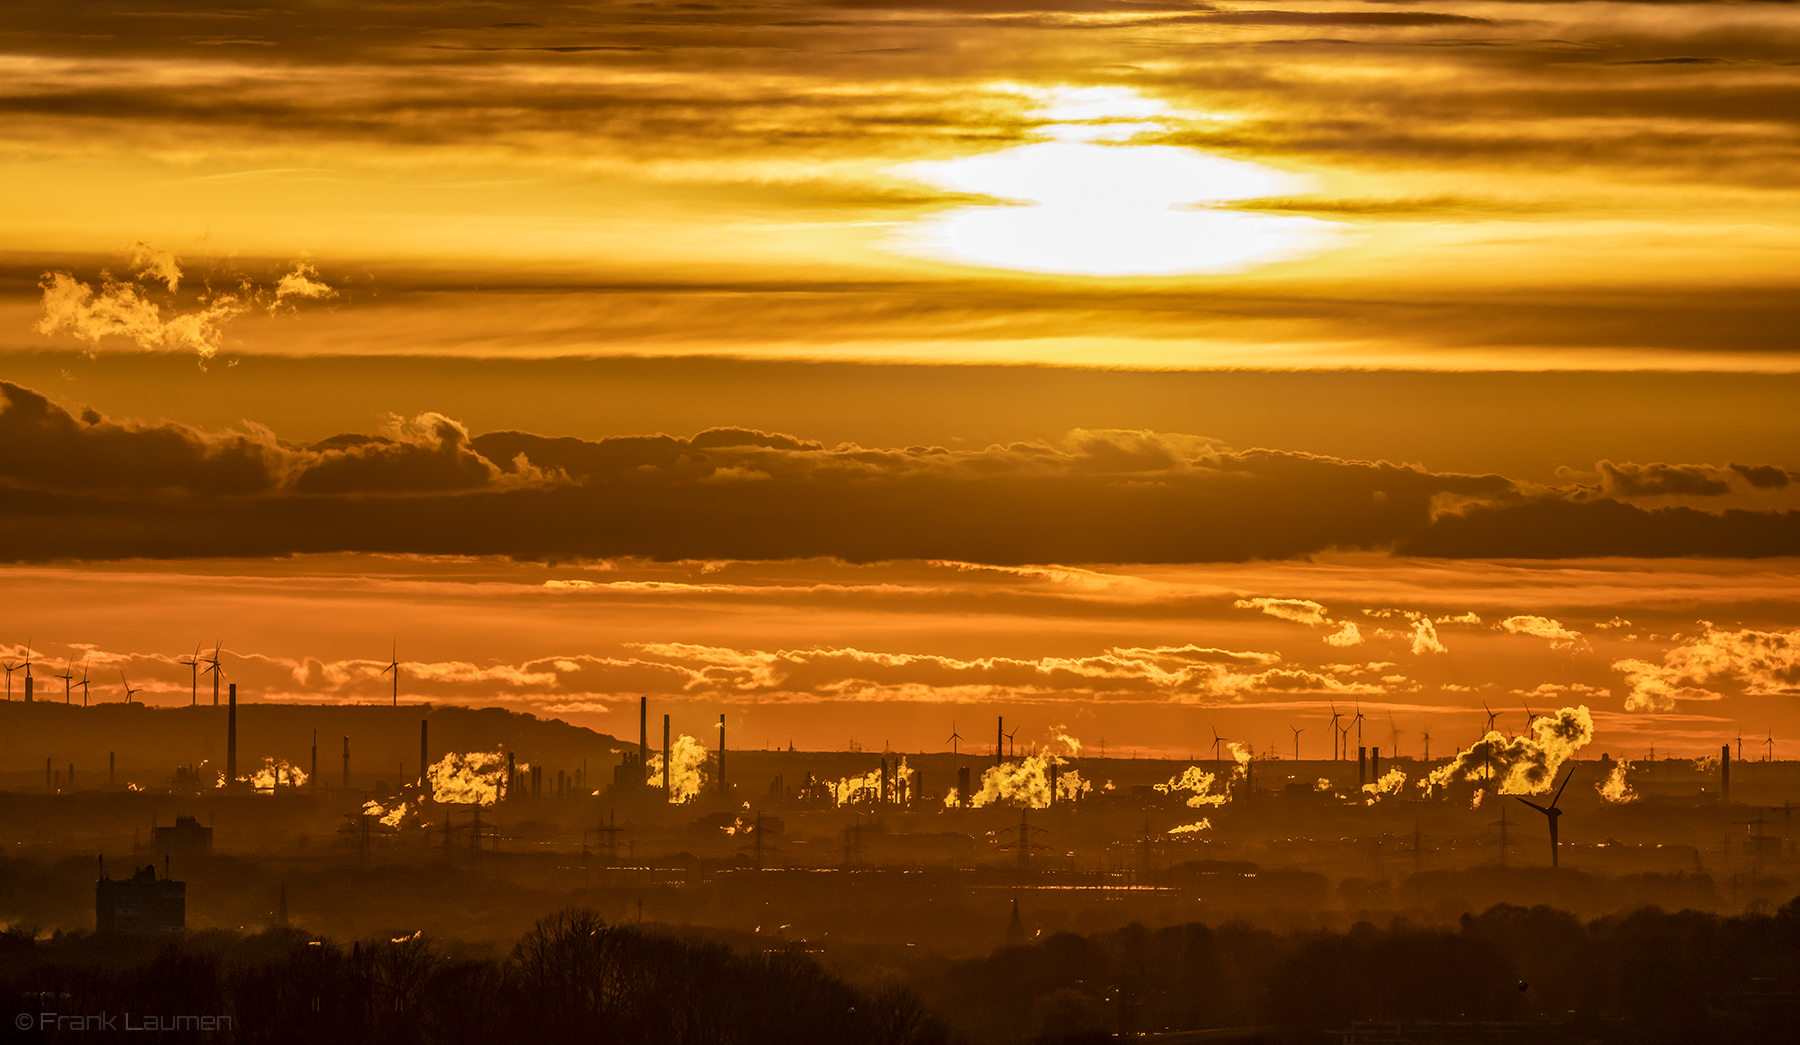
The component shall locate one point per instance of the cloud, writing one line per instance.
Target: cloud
(303, 282)
(151, 263)
(1760, 663)
(48, 450)
(1661, 480)
(100, 487)
(1762, 476)
(1543, 628)
(1301, 611)
(123, 308)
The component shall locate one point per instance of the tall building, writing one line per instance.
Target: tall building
(143, 904)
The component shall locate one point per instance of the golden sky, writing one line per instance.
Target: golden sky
(355, 309)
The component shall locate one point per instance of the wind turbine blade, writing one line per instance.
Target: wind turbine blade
(1559, 790)
(1534, 805)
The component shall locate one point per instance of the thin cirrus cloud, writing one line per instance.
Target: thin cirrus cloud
(86, 486)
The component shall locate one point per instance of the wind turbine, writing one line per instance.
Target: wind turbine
(84, 682)
(127, 684)
(1740, 745)
(1529, 717)
(1009, 741)
(1335, 738)
(67, 676)
(1769, 744)
(1217, 742)
(1357, 722)
(954, 739)
(193, 663)
(212, 665)
(1491, 714)
(1552, 812)
(1393, 737)
(1297, 733)
(10, 666)
(394, 666)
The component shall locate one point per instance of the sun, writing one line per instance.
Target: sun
(1087, 202)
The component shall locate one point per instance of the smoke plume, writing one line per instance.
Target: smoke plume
(1523, 765)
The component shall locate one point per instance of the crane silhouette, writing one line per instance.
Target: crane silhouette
(1550, 811)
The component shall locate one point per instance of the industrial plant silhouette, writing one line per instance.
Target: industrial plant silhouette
(516, 878)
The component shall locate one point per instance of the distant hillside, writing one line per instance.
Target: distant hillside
(150, 742)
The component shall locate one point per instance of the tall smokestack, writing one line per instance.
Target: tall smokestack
(643, 739)
(1375, 763)
(231, 739)
(1362, 766)
(424, 750)
(666, 795)
(885, 783)
(1055, 772)
(722, 789)
(1725, 774)
(999, 739)
(512, 777)
(962, 787)
(346, 763)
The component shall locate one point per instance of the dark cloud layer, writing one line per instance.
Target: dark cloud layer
(88, 487)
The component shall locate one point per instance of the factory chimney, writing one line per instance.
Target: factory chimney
(1725, 774)
(962, 787)
(346, 763)
(722, 787)
(424, 749)
(999, 739)
(667, 797)
(643, 739)
(231, 739)
(1374, 763)
(1362, 766)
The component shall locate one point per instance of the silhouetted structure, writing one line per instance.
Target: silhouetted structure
(188, 839)
(142, 904)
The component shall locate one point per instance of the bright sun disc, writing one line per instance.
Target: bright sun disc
(1075, 206)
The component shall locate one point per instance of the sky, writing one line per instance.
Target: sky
(1133, 370)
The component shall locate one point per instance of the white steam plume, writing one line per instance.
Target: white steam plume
(1524, 765)
(475, 778)
(687, 769)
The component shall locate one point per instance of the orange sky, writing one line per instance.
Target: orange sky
(323, 326)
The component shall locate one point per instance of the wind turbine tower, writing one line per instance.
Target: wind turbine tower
(394, 666)
(1551, 812)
